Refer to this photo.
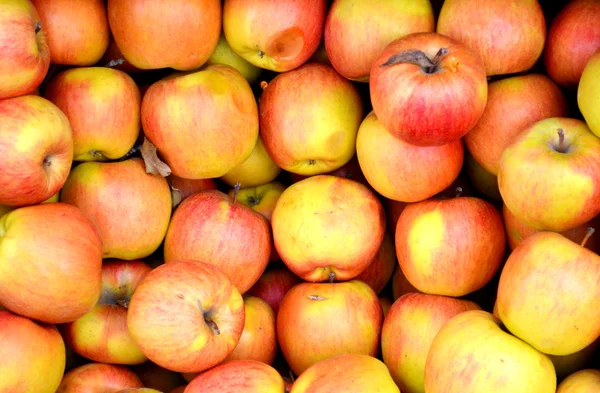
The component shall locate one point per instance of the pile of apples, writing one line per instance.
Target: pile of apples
(263, 196)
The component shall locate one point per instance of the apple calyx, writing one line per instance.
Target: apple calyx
(261, 54)
(418, 58)
(331, 277)
(236, 190)
(561, 141)
(47, 161)
(253, 201)
(122, 302)
(588, 233)
(38, 27)
(154, 165)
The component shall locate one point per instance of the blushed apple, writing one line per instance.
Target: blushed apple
(98, 377)
(273, 284)
(380, 270)
(588, 92)
(256, 170)
(223, 54)
(583, 381)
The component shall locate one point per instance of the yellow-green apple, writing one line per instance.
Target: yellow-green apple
(309, 118)
(514, 103)
(143, 31)
(400, 285)
(346, 317)
(508, 35)
(77, 32)
(547, 293)
(573, 36)
(103, 108)
(327, 228)
(380, 270)
(223, 54)
(25, 54)
(549, 175)
(33, 355)
(256, 170)
(50, 262)
(401, 171)
(348, 373)
(569, 364)
(238, 376)
(483, 181)
(131, 208)
(102, 335)
(355, 34)
(428, 89)
(187, 187)
(186, 316)
(211, 227)
(450, 247)
(472, 353)
(261, 198)
(277, 36)
(408, 331)
(156, 377)
(583, 381)
(203, 123)
(36, 145)
(99, 378)
(588, 92)
(273, 284)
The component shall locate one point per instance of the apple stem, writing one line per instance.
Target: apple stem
(213, 326)
(459, 191)
(331, 277)
(417, 57)
(236, 190)
(264, 84)
(38, 27)
(292, 378)
(436, 59)
(561, 140)
(590, 231)
(123, 303)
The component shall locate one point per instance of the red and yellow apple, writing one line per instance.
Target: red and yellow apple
(223, 54)
(99, 378)
(261, 198)
(588, 92)
(238, 376)
(273, 284)
(379, 272)
(256, 170)
(583, 381)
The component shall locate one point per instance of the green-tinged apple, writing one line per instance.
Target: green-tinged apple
(328, 228)
(400, 285)
(77, 32)
(450, 247)
(588, 93)
(203, 123)
(483, 181)
(547, 294)
(238, 376)
(309, 118)
(273, 284)
(549, 175)
(408, 331)
(428, 89)
(187, 187)
(223, 54)
(472, 353)
(32, 353)
(346, 317)
(256, 170)
(50, 262)
(569, 364)
(356, 33)
(402, 171)
(36, 145)
(186, 316)
(261, 198)
(348, 373)
(514, 103)
(99, 377)
(24, 47)
(379, 272)
(583, 381)
(274, 35)
(211, 227)
(157, 377)
(130, 208)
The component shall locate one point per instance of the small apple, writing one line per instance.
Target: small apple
(99, 377)
(583, 381)
(588, 92)
(256, 170)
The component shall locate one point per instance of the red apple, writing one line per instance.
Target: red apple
(380, 270)
(188, 187)
(273, 284)
(99, 378)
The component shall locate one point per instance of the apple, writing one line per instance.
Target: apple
(346, 317)
(473, 345)
(159, 378)
(99, 378)
(32, 353)
(223, 54)
(211, 227)
(25, 53)
(400, 285)
(573, 36)
(50, 262)
(355, 34)
(5, 209)
(549, 176)
(402, 171)
(37, 150)
(203, 123)
(277, 36)
(588, 92)
(320, 55)
(514, 103)
(130, 207)
(327, 228)
(583, 381)
(238, 376)
(309, 118)
(386, 304)
(569, 364)
(392, 213)
(348, 373)
(273, 284)
(256, 170)
(113, 58)
(186, 316)
(483, 181)
(262, 198)
(428, 89)
(187, 187)
(379, 271)
(350, 170)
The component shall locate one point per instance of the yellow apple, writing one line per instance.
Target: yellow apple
(257, 169)
(588, 93)
(583, 381)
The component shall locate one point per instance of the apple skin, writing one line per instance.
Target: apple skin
(277, 36)
(36, 144)
(25, 53)
(573, 36)
(186, 316)
(188, 187)
(450, 247)
(309, 118)
(156, 377)
(346, 316)
(429, 109)
(380, 270)
(408, 331)
(33, 355)
(256, 170)
(401, 171)
(565, 276)
(348, 373)
(583, 381)
(262, 198)
(194, 25)
(355, 34)
(223, 54)
(57, 235)
(588, 92)
(514, 103)
(130, 207)
(327, 227)
(472, 344)
(568, 192)
(99, 377)
(210, 227)
(203, 123)
(273, 284)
